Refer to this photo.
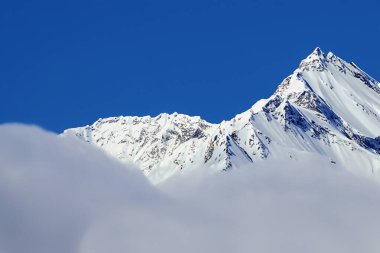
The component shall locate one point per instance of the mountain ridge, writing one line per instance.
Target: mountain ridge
(327, 106)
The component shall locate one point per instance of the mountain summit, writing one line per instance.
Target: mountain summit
(327, 107)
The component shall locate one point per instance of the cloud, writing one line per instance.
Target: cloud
(61, 195)
(303, 207)
(52, 189)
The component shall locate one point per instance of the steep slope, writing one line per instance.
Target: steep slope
(327, 106)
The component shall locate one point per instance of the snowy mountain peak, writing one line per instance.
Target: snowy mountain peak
(331, 55)
(320, 55)
(327, 107)
(318, 52)
(316, 60)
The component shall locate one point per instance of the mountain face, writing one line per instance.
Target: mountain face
(327, 106)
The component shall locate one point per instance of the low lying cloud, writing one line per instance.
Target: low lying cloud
(303, 207)
(53, 189)
(61, 195)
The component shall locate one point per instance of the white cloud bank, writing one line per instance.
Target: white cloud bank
(60, 195)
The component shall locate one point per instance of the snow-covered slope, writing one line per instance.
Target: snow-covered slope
(327, 106)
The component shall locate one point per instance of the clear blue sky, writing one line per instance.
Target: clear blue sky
(67, 63)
